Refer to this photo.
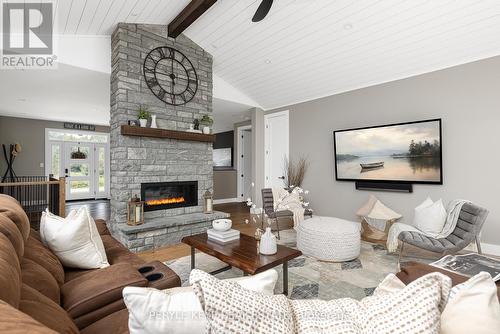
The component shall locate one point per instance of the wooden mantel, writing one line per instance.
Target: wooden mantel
(127, 130)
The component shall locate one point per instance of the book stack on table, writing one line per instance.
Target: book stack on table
(223, 236)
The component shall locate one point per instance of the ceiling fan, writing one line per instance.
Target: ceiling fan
(262, 11)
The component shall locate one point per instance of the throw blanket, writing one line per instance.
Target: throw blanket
(283, 200)
(454, 208)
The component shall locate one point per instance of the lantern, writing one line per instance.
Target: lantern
(209, 202)
(135, 211)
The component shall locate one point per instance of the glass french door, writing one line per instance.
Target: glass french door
(85, 165)
(79, 170)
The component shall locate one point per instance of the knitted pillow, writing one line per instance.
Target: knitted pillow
(415, 309)
(230, 308)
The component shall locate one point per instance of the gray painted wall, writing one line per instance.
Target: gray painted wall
(30, 133)
(466, 97)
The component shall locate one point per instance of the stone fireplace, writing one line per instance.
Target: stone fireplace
(171, 175)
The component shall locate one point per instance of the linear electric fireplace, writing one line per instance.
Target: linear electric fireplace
(169, 195)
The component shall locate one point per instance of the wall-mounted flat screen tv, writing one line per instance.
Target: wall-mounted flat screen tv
(405, 153)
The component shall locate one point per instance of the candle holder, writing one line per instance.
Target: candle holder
(135, 211)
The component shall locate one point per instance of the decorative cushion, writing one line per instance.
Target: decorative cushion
(37, 277)
(149, 308)
(367, 207)
(74, 239)
(44, 310)
(380, 211)
(14, 321)
(12, 209)
(230, 308)
(414, 309)
(473, 307)
(37, 252)
(430, 217)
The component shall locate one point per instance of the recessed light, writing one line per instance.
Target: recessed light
(348, 26)
(268, 61)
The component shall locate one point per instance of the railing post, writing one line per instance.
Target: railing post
(62, 197)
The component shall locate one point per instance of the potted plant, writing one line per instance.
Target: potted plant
(207, 122)
(143, 116)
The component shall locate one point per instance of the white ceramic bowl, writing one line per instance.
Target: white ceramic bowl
(222, 224)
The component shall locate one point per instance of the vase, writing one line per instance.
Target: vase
(153, 122)
(206, 130)
(143, 122)
(268, 244)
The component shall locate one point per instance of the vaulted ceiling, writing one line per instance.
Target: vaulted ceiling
(308, 49)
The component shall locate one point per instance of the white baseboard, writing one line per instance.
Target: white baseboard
(227, 200)
(490, 249)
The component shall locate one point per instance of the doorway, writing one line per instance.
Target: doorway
(244, 183)
(276, 145)
(82, 158)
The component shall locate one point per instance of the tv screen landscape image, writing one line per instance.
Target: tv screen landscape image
(404, 152)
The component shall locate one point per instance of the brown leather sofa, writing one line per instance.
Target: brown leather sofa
(39, 295)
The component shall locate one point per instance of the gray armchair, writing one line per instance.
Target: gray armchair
(470, 222)
(268, 205)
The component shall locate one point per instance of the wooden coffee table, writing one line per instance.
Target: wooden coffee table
(242, 254)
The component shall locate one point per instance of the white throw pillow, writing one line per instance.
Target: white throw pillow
(472, 307)
(430, 218)
(74, 239)
(380, 211)
(178, 310)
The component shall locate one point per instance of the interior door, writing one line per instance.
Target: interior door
(78, 170)
(276, 147)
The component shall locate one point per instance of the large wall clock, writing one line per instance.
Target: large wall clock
(170, 75)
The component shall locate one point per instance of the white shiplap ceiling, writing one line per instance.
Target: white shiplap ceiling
(307, 49)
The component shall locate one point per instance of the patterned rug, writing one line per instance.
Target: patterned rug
(309, 278)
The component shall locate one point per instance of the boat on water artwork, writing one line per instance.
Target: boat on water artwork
(409, 152)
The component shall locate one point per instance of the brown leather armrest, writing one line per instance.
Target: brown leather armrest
(99, 288)
(159, 276)
(102, 228)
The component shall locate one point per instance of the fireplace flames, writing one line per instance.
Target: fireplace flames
(164, 201)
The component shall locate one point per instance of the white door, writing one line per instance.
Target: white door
(276, 147)
(246, 144)
(81, 157)
(79, 170)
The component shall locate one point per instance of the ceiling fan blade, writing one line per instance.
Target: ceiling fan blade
(262, 11)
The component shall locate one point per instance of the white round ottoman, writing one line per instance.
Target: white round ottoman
(329, 238)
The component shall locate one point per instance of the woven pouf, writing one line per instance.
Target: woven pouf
(329, 238)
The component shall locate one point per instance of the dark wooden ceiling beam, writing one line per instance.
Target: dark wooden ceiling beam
(191, 13)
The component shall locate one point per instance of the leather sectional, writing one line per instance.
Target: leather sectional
(39, 295)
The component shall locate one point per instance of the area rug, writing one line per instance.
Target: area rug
(309, 278)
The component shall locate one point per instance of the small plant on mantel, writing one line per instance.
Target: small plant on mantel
(143, 115)
(207, 122)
